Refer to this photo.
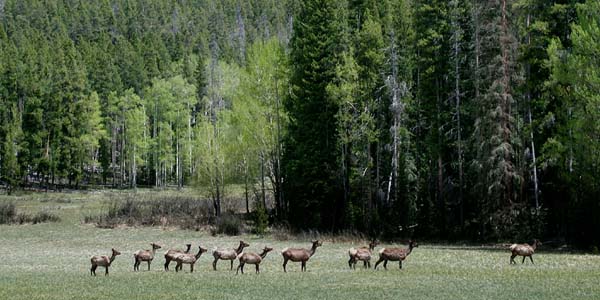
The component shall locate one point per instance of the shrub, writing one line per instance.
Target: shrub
(228, 224)
(185, 212)
(261, 219)
(9, 215)
(43, 217)
(8, 212)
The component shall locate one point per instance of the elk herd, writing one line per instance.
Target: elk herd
(300, 255)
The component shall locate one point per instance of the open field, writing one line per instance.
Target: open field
(51, 261)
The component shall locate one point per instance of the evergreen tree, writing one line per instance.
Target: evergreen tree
(575, 149)
(496, 136)
(311, 180)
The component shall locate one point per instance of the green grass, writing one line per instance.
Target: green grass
(51, 261)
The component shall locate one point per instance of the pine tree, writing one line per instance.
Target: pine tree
(311, 180)
(496, 134)
(575, 147)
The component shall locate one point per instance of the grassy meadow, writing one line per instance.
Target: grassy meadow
(51, 261)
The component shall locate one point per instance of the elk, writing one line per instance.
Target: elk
(144, 255)
(172, 253)
(395, 254)
(524, 250)
(299, 254)
(362, 253)
(228, 254)
(253, 259)
(104, 261)
(188, 258)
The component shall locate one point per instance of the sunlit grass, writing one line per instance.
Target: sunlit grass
(51, 261)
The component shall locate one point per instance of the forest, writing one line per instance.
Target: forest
(453, 120)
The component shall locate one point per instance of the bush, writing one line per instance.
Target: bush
(261, 219)
(228, 224)
(9, 215)
(185, 212)
(43, 217)
(8, 212)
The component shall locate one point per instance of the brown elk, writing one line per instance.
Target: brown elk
(363, 254)
(228, 254)
(299, 254)
(395, 254)
(253, 259)
(188, 258)
(144, 255)
(524, 250)
(172, 253)
(103, 261)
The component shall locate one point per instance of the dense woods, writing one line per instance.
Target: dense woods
(453, 119)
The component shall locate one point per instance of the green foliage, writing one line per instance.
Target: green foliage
(444, 119)
(8, 211)
(574, 149)
(261, 219)
(228, 224)
(9, 215)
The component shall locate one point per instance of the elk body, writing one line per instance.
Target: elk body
(299, 254)
(362, 253)
(524, 250)
(144, 255)
(172, 253)
(228, 254)
(103, 261)
(188, 259)
(395, 254)
(253, 259)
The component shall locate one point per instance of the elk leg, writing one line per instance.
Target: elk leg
(350, 263)
(524, 259)
(385, 264)
(364, 264)
(378, 262)
(177, 267)
(106, 271)
(148, 265)
(284, 264)
(93, 270)
(512, 259)
(167, 262)
(303, 266)
(400, 263)
(257, 268)
(531, 258)
(191, 268)
(231, 267)
(215, 264)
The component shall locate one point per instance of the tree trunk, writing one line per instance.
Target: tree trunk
(457, 35)
(262, 180)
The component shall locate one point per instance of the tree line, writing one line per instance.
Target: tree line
(453, 119)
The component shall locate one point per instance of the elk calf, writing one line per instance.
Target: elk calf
(103, 261)
(253, 259)
(524, 250)
(395, 254)
(189, 259)
(362, 253)
(172, 253)
(228, 254)
(299, 254)
(144, 255)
